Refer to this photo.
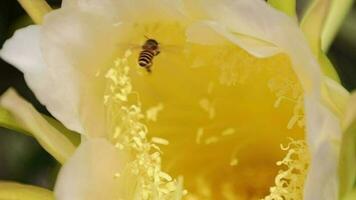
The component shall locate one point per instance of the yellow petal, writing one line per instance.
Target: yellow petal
(16, 191)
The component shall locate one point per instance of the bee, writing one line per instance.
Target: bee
(150, 49)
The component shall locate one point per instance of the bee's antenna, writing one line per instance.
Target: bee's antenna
(146, 37)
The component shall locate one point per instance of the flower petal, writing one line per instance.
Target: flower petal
(256, 19)
(79, 59)
(50, 138)
(335, 96)
(324, 140)
(23, 51)
(17, 191)
(209, 32)
(90, 172)
(130, 10)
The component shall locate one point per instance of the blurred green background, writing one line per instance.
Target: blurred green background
(23, 160)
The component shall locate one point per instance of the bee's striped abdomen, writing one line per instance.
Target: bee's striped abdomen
(145, 58)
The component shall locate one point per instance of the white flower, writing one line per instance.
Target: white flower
(234, 80)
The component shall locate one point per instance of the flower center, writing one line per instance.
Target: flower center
(217, 114)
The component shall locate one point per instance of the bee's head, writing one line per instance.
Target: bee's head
(151, 44)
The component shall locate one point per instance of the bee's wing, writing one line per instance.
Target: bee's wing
(172, 48)
(128, 46)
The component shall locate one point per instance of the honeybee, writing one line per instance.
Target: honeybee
(150, 49)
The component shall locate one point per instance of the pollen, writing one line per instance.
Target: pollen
(208, 106)
(219, 117)
(143, 175)
(161, 141)
(228, 131)
(152, 113)
(289, 182)
(199, 136)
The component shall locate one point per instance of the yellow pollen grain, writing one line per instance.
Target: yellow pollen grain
(210, 87)
(117, 132)
(234, 162)
(211, 140)
(291, 92)
(199, 135)
(290, 181)
(165, 176)
(119, 146)
(148, 181)
(228, 131)
(117, 175)
(159, 140)
(106, 99)
(152, 113)
(98, 73)
(208, 106)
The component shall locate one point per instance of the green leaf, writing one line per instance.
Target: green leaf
(27, 118)
(286, 6)
(348, 150)
(337, 14)
(16, 191)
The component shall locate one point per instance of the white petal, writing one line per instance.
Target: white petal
(256, 19)
(23, 51)
(53, 141)
(90, 173)
(130, 10)
(335, 96)
(324, 139)
(213, 33)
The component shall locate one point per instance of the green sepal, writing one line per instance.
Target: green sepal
(348, 161)
(312, 25)
(17, 191)
(347, 167)
(328, 68)
(334, 20)
(9, 122)
(286, 6)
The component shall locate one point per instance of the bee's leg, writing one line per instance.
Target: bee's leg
(158, 52)
(148, 68)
